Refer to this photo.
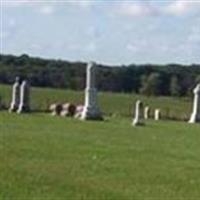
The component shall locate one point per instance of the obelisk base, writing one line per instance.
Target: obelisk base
(194, 118)
(91, 113)
(91, 110)
(23, 109)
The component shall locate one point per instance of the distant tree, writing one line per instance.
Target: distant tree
(147, 79)
(175, 88)
(150, 85)
(22, 60)
(129, 77)
(197, 79)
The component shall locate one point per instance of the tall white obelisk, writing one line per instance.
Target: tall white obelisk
(91, 109)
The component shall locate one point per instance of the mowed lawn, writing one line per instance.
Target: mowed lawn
(52, 158)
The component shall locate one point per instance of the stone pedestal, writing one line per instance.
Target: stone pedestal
(138, 120)
(24, 105)
(157, 114)
(91, 109)
(195, 116)
(15, 96)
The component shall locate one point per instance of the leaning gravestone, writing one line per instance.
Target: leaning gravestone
(91, 109)
(24, 105)
(157, 114)
(146, 112)
(15, 95)
(195, 117)
(138, 120)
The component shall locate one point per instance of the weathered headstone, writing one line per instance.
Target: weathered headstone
(146, 112)
(91, 109)
(138, 119)
(15, 95)
(195, 116)
(157, 114)
(24, 105)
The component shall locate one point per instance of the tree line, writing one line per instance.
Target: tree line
(148, 79)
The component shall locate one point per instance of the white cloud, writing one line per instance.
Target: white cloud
(132, 48)
(4, 34)
(36, 47)
(12, 23)
(139, 9)
(135, 9)
(194, 35)
(47, 10)
(16, 3)
(82, 3)
(43, 6)
(180, 7)
(74, 47)
(91, 47)
(138, 45)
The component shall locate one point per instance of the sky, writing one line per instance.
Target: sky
(112, 32)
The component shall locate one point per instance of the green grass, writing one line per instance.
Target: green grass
(52, 158)
(111, 104)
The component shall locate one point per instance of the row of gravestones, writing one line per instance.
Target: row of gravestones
(20, 96)
(157, 113)
(20, 100)
(141, 114)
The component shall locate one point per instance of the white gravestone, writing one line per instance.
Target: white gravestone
(91, 109)
(24, 105)
(146, 112)
(15, 96)
(157, 114)
(138, 120)
(195, 117)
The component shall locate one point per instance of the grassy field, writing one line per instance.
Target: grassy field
(51, 158)
(111, 104)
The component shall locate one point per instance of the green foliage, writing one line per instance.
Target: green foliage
(151, 85)
(63, 74)
(175, 88)
(197, 80)
(45, 157)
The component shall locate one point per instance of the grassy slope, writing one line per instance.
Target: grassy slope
(42, 157)
(116, 104)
